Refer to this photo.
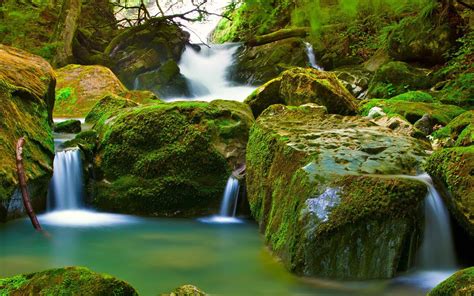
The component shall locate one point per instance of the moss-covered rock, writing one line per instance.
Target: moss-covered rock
(169, 159)
(65, 281)
(312, 187)
(27, 99)
(395, 78)
(299, 86)
(107, 106)
(167, 81)
(259, 64)
(414, 111)
(80, 87)
(144, 48)
(72, 126)
(356, 79)
(186, 290)
(452, 170)
(421, 40)
(459, 284)
(459, 132)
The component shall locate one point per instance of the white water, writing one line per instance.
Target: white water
(206, 72)
(229, 204)
(66, 195)
(312, 57)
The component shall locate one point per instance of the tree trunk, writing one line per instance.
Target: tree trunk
(23, 185)
(65, 32)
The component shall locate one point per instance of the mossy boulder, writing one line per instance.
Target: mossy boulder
(27, 85)
(167, 81)
(186, 290)
(72, 126)
(323, 190)
(421, 40)
(299, 86)
(395, 78)
(258, 64)
(459, 132)
(80, 87)
(107, 106)
(452, 170)
(356, 79)
(145, 48)
(459, 284)
(414, 111)
(65, 281)
(169, 159)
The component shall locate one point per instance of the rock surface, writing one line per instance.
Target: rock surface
(300, 86)
(459, 284)
(65, 281)
(169, 159)
(323, 190)
(186, 290)
(71, 126)
(27, 99)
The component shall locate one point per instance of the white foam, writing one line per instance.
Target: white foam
(84, 218)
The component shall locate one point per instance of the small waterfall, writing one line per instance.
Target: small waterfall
(312, 57)
(66, 187)
(230, 198)
(437, 249)
(207, 70)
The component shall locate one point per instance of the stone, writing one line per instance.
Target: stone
(327, 193)
(71, 126)
(459, 284)
(27, 85)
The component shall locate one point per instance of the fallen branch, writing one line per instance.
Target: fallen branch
(23, 186)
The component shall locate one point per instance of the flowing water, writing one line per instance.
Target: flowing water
(312, 57)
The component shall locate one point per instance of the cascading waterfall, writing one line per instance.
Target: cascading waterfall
(437, 249)
(230, 198)
(312, 57)
(206, 72)
(66, 187)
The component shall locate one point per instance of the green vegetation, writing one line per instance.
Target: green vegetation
(459, 284)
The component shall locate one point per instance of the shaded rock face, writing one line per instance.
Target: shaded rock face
(258, 64)
(459, 284)
(72, 126)
(66, 281)
(80, 87)
(299, 86)
(169, 159)
(27, 85)
(145, 48)
(323, 190)
(452, 169)
(355, 79)
(395, 78)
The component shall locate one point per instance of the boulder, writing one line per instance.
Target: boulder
(169, 159)
(258, 64)
(459, 284)
(107, 106)
(299, 86)
(421, 40)
(167, 81)
(66, 281)
(80, 87)
(395, 78)
(326, 192)
(414, 111)
(145, 48)
(452, 170)
(356, 79)
(27, 85)
(459, 132)
(71, 126)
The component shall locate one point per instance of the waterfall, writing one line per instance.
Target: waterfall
(66, 187)
(230, 198)
(207, 70)
(312, 57)
(437, 249)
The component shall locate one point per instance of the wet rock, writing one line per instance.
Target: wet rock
(331, 205)
(459, 284)
(299, 86)
(27, 98)
(66, 281)
(425, 124)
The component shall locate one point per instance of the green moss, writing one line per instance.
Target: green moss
(65, 281)
(415, 96)
(459, 132)
(72, 126)
(459, 284)
(66, 94)
(106, 107)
